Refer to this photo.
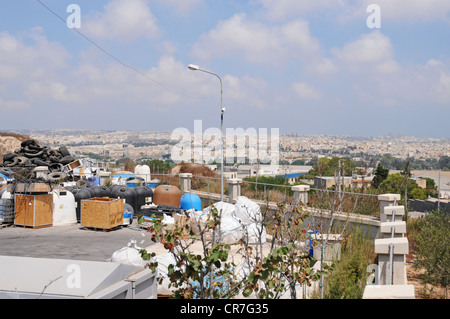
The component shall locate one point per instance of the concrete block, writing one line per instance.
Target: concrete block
(388, 211)
(388, 197)
(234, 189)
(399, 275)
(389, 292)
(400, 245)
(300, 194)
(397, 210)
(399, 229)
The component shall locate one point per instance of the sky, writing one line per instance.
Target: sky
(322, 67)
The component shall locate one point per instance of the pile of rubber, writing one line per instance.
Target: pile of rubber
(32, 155)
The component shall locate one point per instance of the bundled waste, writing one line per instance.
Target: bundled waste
(32, 154)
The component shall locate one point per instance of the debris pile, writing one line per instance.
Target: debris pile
(31, 155)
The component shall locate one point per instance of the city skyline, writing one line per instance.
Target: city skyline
(307, 68)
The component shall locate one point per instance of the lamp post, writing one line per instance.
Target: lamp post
(194, 67)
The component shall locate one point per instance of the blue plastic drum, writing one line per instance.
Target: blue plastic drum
(190, 201)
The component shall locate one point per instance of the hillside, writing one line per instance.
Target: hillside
(9, 142)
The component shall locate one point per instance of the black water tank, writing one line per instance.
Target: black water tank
(144, 195)
(100, 191)
(127, 193)
(113, 189)
(82, 193)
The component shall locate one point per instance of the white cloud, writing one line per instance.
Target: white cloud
(410, 10)
(284, 9)
(8, 105)
(305, 91)
(183, 6)
(371, 52)
(344, 10)
(256, 42)
(123, 20)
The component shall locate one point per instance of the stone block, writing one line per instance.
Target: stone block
(389, 292)
(399, 229)
(400, 245)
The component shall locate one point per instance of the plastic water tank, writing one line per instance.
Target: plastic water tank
(191, 201)
(167, 195)
(135, 181)
(128, 213)
(100, 191)
(144, 196)
(82, 193)
(64, 210)
(127, 193)
(142, 171)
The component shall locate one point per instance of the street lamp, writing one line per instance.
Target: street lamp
(194, 67)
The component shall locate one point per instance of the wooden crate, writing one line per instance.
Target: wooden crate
(31, 188)
(35, 211)
(101, 213)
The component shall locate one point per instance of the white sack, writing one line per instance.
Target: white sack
(255, 233)
(224, 209)
(248, 211)
(231, 230)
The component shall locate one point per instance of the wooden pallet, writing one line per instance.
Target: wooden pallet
(32, 227)
(98, 229)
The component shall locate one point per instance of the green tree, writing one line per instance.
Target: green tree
(395, 183)
(329, 167)
(444, 162)
(433, 247)
(418, 193)
(381, 174)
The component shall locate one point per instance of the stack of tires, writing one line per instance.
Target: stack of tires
(32, 155)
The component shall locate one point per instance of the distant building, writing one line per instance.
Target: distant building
(360, 181)
(329, 181)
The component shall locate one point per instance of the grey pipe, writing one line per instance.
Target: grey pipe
(391, 257)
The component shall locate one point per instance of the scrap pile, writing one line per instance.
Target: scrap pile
(23, 161)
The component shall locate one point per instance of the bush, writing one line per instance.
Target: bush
(348, 279)
(432, 236)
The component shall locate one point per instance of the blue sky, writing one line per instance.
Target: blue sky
(307, 67)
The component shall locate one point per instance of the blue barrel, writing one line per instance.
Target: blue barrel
(190, 201)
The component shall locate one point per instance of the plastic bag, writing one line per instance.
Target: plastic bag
(129, 255)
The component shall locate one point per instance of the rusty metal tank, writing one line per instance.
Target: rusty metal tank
(167, 195)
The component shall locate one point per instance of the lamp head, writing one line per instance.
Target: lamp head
(193, 67)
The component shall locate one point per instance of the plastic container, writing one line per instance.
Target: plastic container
(144, 196)
(190, 201)
(142, 171)
(64, 208)
(167, 195)
(128, 213)
(100, 191)
(7, 210)
(82, 193)
(135, 182)
(126, 193)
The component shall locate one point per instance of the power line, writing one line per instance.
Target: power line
(111, 55)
